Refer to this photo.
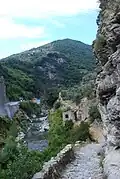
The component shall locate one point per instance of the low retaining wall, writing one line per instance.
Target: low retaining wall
(53, 168)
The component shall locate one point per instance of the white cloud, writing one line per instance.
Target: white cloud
(33, 45)
(57, 23)
(11, 9)
(9, 30)
(45, 8)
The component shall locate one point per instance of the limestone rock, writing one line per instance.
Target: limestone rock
(108, 82)
(112, 164)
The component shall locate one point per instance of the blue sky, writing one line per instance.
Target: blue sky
(27, 24)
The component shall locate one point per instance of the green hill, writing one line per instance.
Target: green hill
(62, 63)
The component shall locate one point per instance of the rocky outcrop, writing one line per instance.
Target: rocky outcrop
(53, 168)
(107, 51)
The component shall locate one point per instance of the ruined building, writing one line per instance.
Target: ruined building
(76, 113)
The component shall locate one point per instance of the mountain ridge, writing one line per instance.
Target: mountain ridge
(41, 46)
(61, 63)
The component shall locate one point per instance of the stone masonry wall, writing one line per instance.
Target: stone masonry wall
(53, 168)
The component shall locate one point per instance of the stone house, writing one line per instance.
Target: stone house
(77, 113)
(68, 116)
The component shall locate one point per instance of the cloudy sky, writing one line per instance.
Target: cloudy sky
(25, 24)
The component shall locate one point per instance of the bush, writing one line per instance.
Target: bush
(94, 113)
(57, 105)
(99, 43)
(61, 135)
(23, 165)
(78, 99)
(30, 108)
(51, 96)
(16, 161)
(5, 124)
(80, 133)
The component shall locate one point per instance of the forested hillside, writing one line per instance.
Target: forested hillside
(37, 72)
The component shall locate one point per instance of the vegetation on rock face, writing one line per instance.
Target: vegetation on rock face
(94, 113)
(100, 42)
(17, 162)
(35, 72)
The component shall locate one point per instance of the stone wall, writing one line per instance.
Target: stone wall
(53, 168)
(107, 51)
(83, 110)
(2, 97)
(6, 109)
(11, 108)
(68, 116)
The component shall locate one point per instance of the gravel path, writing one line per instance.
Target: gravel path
(86, 165)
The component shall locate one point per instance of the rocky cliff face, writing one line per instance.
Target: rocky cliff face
(107, 51)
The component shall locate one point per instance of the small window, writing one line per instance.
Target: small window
(66, 116)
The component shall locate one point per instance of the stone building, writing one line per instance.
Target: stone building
(68, 116)
(77, 113)
(83, 111)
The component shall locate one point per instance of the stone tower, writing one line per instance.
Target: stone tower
(2, 92)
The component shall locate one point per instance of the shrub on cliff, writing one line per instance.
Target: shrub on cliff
(94, 113)
(99, 43)
(80, 133)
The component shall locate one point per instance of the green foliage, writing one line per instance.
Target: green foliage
(57, 105)
(77, 99)
(94, 113)
(22, 164)
(99, 43)
(13, 130)
(15, 159)
(76, 93)
(51, 96)
(80, 133)
(57, 133)
(9, 151)
(26, 74)
(61, 134)
(5, 124)
(17, 162)
(30, 108)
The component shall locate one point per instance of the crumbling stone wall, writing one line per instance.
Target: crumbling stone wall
(68, 115)
(52, 169)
